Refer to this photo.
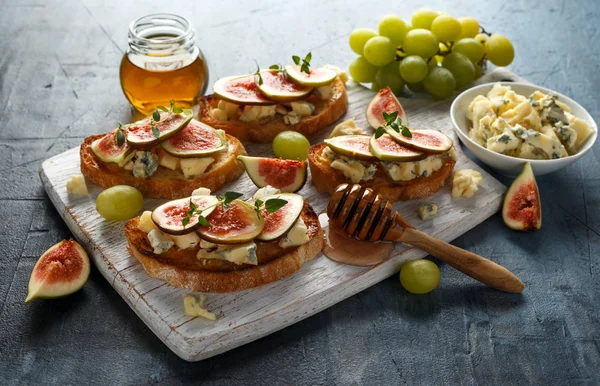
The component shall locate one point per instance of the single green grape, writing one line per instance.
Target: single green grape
(469, 27)
(419, 276)
(379, 51)
(416, 87)
(422, 18)
(362, 71)
(478, 71)
(470, 48)
(388, 76)
(435, 61)
(499, 50)
(420, 42)
(446, 28)
(393, 28)
(481, 38)
(359, 37)
(291, 145)
(440, 83)
(461, 67)
(120, 202)
(413, 69)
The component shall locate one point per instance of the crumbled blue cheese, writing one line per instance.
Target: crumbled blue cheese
(354, 170)
(188, 240)
(340, 73)
(237, 254)
(192, 167)
(325, 92)
(219, 115)
(298, 235)
(265, 192)
(465, 183)
(144, 164)
(166, 160)
(328, 153)
(146, 224)
(159, 241)
(193, 305)
(406, 171)
(201, 192)
(427, 211)
(346, 128)
(302, 108)
(76, 185)
(583, 130)
(251, 113)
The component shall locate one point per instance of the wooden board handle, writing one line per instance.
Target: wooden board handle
(479, 268)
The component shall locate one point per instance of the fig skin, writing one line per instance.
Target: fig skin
(522, 208)
(62, 270)
(253, 165)
(385, 99)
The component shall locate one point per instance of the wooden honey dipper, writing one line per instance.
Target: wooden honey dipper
(363, 214)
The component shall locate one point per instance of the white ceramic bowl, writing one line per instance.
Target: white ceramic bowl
(511, 165)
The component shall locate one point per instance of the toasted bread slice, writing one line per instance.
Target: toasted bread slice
(264, 131)
(181, 268)
(326, 179)
(165, 183)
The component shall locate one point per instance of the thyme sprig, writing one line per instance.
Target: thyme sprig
(305, 66)
(156, 116)
(392, 120)
(120, 135)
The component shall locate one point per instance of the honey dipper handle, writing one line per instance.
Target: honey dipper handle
(479, 268)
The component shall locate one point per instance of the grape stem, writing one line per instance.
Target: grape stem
(483, 31)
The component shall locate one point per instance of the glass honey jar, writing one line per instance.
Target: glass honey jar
(162, 63)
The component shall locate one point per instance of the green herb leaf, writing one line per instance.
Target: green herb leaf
(185, 221)
(172, 103)
(257, 73)
(395, 126)
(257, 204)
(230, 196)
(120, 135)
(296, 59)
(406, 132)
(155, 131)
(274, 204)
(305, 68)
(308, 58)
(177, 110)
(275, 67)
(163, 108)
(156, 115)
(379, 132)
(203, 221)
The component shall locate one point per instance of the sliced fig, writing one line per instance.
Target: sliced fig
(61, 270)
(354, 146)
(318, 76)
(241, 90)
(140, 134)
(522, 209)
(169, 216)
(276, 86)
(283, 219)
(235, 223)
(386, 149)
(384, 100)
(284, 174)
(195, 140)
(108, 149)
(425, 140)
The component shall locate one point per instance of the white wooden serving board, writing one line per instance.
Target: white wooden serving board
(248, 315)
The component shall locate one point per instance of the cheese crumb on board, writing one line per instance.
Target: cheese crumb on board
(427, 211)
(76, 185)
(465, 183)
(346, 128)
(193, 306)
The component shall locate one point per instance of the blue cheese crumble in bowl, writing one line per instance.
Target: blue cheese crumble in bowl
(504, 124)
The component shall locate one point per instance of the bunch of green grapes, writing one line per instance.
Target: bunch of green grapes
(437, 53)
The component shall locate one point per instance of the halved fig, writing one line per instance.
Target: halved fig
(284, 174)
(386, 149)
(354, 146)
(195, 140)
(241, 90)
(108, 149)
(61, 270)
(318, 76)
(522, 209)
(425, 140)
(276, 86)
(169, 216)
(384, 100)
(283, 219)
(235, 223)
(140, 134)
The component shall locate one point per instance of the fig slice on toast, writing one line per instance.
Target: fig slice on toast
(424, 140)
(283, 174)
(354, 146)
(61, 270)
(386, 149)
(522, 209)
(141, 135)
(195, 140)
(241, 90)
(283, 219)
(108, 150)
(234, 223)
(276, 86)
(384, 101)
(318, 76)
(169, 216)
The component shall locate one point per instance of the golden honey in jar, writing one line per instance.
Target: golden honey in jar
(162, 63)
